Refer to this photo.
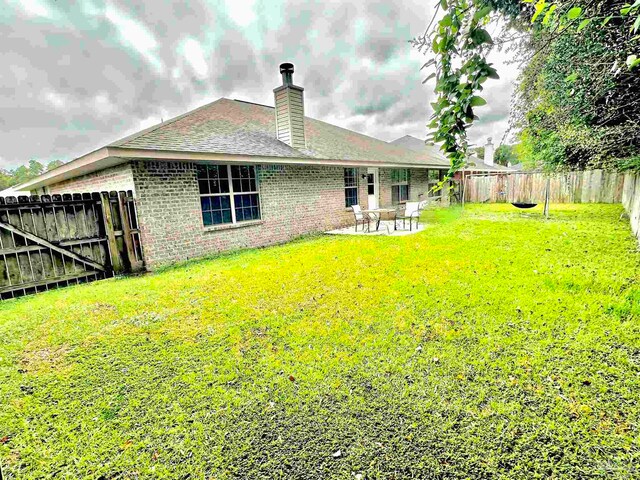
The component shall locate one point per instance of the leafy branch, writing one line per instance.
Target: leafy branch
(460, 68)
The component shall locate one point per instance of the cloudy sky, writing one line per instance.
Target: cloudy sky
(75, 75)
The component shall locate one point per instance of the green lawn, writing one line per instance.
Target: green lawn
(495, 344)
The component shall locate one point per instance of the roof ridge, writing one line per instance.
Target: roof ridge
(253, 103)
(122, 141)
(322, 121)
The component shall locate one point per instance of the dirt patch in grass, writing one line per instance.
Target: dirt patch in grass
(44, 359)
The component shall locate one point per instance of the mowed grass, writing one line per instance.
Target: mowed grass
(495, 344)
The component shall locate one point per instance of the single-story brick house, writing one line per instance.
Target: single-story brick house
(235, 174)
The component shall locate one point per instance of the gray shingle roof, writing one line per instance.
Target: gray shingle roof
(417, 145)
(238, 127)
(473, 163)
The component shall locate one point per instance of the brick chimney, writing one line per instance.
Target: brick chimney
(489, 152)
(289, 101)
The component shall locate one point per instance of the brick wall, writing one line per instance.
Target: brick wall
(117, 178)
(418, 184)
(295, 200)
(384, 183)
(363, 194)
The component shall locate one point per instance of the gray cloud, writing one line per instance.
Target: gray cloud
(77, 75)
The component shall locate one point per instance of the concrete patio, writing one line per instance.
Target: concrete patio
(386, 229)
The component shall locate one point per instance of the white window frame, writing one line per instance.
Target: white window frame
(404, 180)
(356, 187)
(231, 194)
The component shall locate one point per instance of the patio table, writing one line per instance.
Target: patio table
(377, 213)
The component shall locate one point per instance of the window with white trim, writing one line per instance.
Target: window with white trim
(228, 194)
(399, 185)
(350, 187)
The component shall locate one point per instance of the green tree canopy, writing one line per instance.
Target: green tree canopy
(506, 155)
(578, 102)
(24, 173)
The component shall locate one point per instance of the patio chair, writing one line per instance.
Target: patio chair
(426, 200)
(361, 218)
(410, 211)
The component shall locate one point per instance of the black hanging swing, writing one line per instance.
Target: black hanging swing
(504, 193)
(526, 205)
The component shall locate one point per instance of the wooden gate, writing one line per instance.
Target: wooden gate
(55, 240)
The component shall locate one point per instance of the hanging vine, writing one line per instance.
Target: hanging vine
(460, 44)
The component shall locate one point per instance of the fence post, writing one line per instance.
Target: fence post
(135, 264)
(546, 197)
(463, 187)
(116, 260)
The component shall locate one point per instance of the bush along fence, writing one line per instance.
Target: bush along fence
(631, 201)
(55, 240)
(589, 186)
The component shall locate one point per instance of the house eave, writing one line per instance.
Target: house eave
(111, 156)
(91, 162)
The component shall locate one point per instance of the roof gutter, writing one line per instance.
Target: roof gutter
(238, 158)
(111, 156)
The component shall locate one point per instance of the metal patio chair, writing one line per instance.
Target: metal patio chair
(410, 211)
(361, 218)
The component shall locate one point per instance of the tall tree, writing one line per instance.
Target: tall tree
(506, 155)
(459, 42)
(54, 164)
(6, 179)
(578, 103)
(23, 173)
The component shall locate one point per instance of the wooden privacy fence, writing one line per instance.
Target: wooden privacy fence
(52, 240)
(589, 186)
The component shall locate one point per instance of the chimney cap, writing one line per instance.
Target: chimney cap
(286, 70)
(286, 67)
